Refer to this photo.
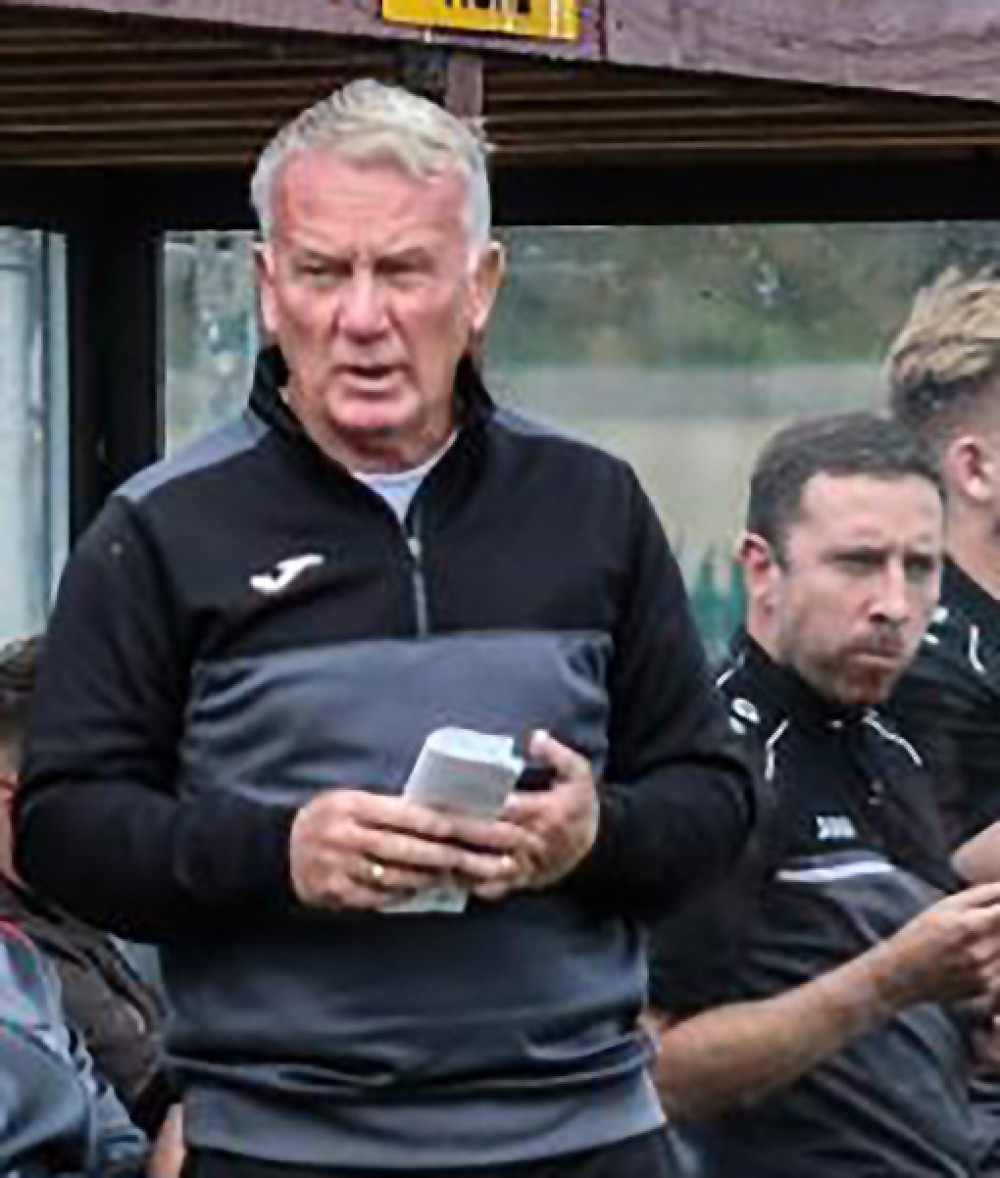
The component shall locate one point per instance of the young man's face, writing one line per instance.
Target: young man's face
(849, 602)
(371, 287)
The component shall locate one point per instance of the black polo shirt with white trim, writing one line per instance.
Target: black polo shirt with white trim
(849, 852)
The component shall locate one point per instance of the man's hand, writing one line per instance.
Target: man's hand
(166, 1157)
(737, 1054)
(352, 849)
(562, 820)
(949, 953)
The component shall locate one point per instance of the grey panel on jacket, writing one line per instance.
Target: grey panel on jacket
(284, 725)
(368, 1009)
(232, 438)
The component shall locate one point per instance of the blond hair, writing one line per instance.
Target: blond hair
(367, 122)
(948, 351)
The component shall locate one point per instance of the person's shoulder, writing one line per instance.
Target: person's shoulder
(551, 438)
(753, 713)
(227, 441)
(947, 635)
(956, 666)
(965, 626)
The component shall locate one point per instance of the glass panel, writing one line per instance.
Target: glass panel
(680, 347)
(210, 330)
(34, 431)
(683, 348)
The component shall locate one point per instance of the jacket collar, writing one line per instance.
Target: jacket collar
(787, 692)
(474, 405)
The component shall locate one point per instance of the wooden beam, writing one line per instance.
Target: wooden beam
(452, 78)
(696, 191)
(933, 47)
(30, 199)
(351, 18)
(464, 89)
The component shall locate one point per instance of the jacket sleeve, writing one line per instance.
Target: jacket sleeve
(677, 804)
(99, 823)
(124, 1038)
(120, 1146)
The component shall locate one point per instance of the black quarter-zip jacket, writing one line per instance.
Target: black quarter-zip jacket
(247, 624)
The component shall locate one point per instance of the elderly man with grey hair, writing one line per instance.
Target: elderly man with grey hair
(253, 642)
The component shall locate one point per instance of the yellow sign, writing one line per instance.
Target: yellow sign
(518, 18)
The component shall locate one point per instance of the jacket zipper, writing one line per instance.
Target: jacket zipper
(418, 580)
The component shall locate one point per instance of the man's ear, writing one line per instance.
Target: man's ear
(487, 278)
(970, 469)
(761, 567)
(263, 268)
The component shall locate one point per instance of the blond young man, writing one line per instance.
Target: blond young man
(943, 373)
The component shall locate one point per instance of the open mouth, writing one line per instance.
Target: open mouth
(880, 657)
(367, 376)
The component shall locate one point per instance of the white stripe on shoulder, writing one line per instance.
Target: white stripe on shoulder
(894, 738)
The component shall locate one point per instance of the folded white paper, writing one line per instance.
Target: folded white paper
(467, 772)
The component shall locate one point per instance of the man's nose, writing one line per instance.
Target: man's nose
(893, 599)
(362, 309)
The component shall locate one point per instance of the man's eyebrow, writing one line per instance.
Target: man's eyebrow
(405, 253)
(308, 253)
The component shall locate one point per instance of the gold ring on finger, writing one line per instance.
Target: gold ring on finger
(377, 871)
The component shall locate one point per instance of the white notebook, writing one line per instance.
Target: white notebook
(467, 772)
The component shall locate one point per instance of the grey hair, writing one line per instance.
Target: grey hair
(368, 122)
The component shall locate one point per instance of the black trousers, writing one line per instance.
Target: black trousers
(649, 1156)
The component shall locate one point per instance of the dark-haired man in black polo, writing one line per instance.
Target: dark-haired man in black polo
(811, 1015)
